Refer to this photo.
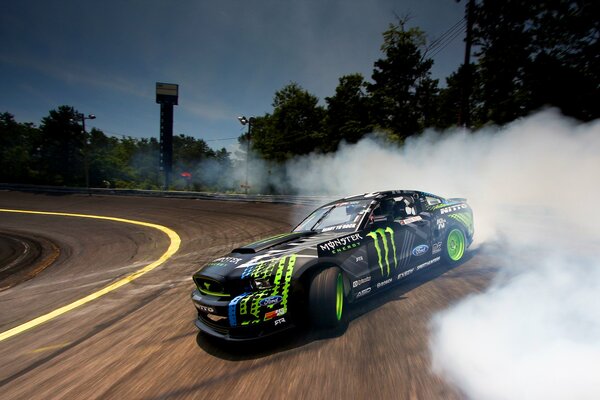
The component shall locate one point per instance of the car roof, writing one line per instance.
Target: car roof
(377, 195)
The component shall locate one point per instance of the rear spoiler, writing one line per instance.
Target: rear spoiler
(458, 199)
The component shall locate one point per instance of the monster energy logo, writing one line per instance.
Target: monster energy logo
(383, 234)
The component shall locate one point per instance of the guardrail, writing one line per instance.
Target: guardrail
(271, 198)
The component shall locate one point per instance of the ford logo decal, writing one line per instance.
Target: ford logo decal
(270, 301)
(420, 250)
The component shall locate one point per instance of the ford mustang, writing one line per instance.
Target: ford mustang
(341, 253)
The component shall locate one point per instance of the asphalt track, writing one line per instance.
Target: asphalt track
(139, 342)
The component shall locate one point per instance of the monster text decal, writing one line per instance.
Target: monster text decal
(339, 245)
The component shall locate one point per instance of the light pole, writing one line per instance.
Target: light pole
(247, 121)
(86, 165)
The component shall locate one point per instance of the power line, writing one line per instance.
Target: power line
(458, 26)
(216, 140)
(448, 40)
(446, 37)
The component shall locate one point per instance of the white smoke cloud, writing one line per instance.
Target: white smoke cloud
(533, 185)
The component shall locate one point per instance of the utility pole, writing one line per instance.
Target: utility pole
(467, 75)
(86, 147)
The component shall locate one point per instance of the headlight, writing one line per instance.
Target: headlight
(261, 284)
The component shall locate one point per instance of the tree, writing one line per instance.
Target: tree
(61, 147)
(348, 112)
(295, 127)
(403, 92)
(538, 54)
(17, 152)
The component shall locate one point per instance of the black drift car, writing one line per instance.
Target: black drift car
(343, 252)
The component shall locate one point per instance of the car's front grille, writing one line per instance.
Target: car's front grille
(211, 287)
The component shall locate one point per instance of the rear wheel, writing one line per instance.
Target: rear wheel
(326, 298)
(454, 246)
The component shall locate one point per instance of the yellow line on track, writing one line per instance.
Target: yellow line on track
(175, 242)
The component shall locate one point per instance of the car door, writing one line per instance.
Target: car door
(384, 244)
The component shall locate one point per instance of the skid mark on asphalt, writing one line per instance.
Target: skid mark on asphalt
(52, 347)
(175, 242)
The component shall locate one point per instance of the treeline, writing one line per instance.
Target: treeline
(59, 152)
(529, 55)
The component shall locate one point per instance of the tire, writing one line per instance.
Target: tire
(455, 245)
(326, 298)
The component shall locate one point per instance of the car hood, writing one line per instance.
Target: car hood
(300, 244)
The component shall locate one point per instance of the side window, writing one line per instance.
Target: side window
(382, 211)
(432, 201)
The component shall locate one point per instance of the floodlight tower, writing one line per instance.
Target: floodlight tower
(247, 121)
(167, 95)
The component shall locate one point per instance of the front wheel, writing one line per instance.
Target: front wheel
(326, 298)
(454, 246)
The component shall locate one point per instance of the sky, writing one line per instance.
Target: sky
(228, 57)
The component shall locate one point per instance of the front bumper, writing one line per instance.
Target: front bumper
(214, 319)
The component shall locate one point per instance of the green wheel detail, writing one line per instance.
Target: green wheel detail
(326, 298)
(455, 245)
(339, 297)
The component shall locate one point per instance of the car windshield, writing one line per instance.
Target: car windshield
(342, 216)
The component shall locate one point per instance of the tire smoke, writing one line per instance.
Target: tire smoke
(533, 185)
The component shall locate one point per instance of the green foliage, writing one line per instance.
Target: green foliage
(58, 152)
(295, 127)
(528, 55)
(348, 114)
(537, 54)
(17, 151)
(403, 93)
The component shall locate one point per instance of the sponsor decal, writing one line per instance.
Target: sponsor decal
(380, 284)
(441, 223)
(363, 292)
(269, 301)
(246, 308)
(359, 259)
(383, 253)
(427, 264)
(275, 313)
(339, 227)
(361, 281)
(420, 250)
(387, 281)
(410, 220)
(406, 273)
(224, 261)
(206, 309)
(453, 208)
(437, 247)
(338, 245)
(279, 321)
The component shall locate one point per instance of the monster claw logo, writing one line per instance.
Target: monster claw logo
(207, 285)
(386, 250)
